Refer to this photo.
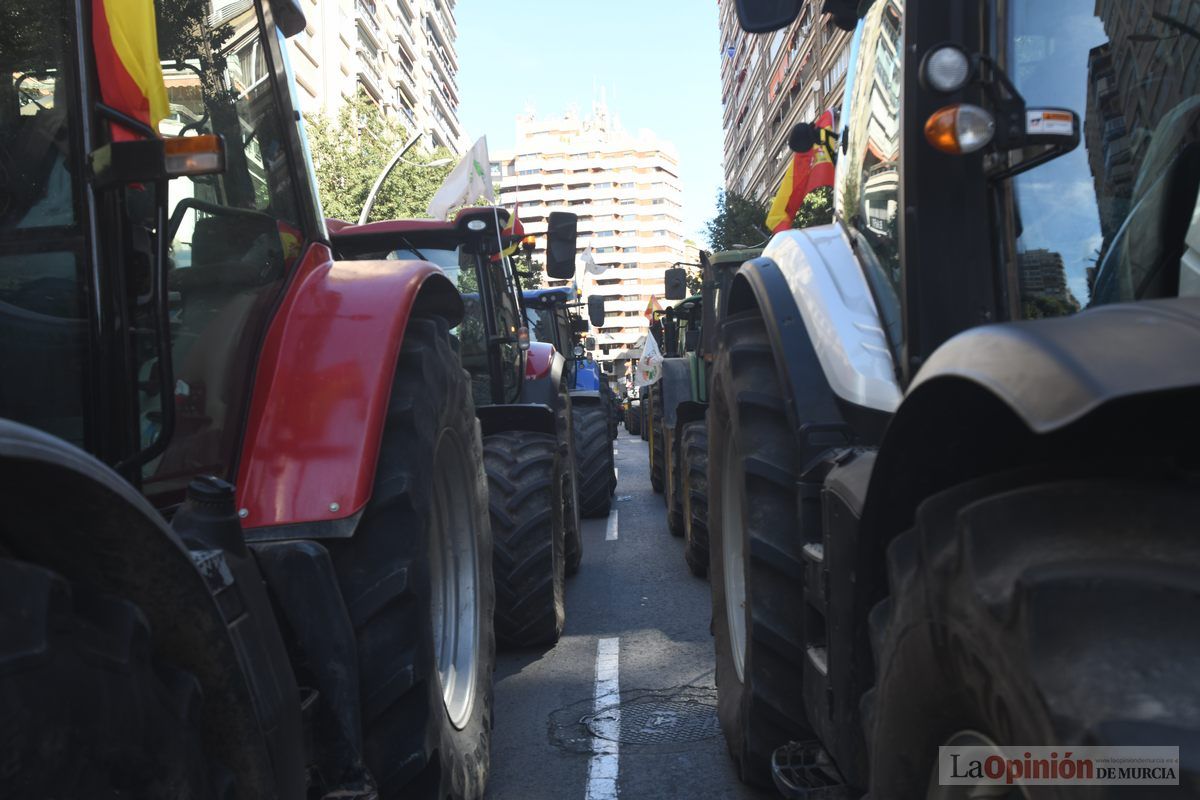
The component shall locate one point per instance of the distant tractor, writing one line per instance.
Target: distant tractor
(522, 396)
(686, 382)
(550, 319)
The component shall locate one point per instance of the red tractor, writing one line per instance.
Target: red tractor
(245, 550)
(523, 400)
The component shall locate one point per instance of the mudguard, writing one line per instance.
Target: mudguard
(540, 359)
(1114, 381)
(535, 417)
(321, 390)
(821, 285)
(676, 383)
(72, 514)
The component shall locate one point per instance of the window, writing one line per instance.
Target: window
(870, 183)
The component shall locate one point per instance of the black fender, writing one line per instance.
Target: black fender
(65, 510)
(586, 397)
(535, 417)
(689, 411)
(675, 387)
(1114, 381)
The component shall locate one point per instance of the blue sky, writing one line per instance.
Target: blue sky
(658, 59)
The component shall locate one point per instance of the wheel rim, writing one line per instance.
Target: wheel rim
(731, 552)
(969, 738)
(454, 581)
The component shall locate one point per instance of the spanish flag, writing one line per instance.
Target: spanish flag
(807, 171)
(514, 229)
(651, 307)
(125, 38)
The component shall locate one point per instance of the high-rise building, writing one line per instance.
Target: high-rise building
(768, 84)
(624, 187)
(401, 53)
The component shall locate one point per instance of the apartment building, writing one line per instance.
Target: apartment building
(400, 52)
(768, 84)
(626, 190)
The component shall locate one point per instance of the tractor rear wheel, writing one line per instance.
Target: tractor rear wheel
(593, 463)
(525, 497)
(695, 497)
(85, 708)
(657, 453)
(416, 577)
(644, 417)
(756, 572)
(1031, 608)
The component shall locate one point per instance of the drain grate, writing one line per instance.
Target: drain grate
(662, 719)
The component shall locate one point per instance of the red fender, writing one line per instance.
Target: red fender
(322, 385)
(538, 360)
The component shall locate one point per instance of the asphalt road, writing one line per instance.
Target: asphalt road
(634, 665)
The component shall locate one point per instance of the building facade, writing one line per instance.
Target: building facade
(768, 84)
(400, 53)
(625, 188)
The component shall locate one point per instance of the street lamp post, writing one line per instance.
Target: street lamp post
(396, 159)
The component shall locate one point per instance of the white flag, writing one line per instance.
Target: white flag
(589, 263)
(649, 366)
(466, 182)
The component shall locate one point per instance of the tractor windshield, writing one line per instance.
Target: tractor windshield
(1106, 222)
(541, 323)
(43, 318)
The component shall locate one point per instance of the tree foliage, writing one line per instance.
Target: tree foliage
(739, 220)
(817, 209)
(350, 150)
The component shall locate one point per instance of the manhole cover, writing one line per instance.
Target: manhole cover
(661, 720)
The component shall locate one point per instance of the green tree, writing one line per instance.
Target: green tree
(739, 220)
(817, 208)
(351, 148)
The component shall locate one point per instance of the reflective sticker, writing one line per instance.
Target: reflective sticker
(1049, 122)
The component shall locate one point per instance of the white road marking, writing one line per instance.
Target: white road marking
(604, 768)
(610, 535)
(616, 473)
(616, 452)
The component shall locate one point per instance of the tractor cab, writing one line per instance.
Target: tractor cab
(492, 338)
(140, 263)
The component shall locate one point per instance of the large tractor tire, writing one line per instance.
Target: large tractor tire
(674, 490)
(657, 453)
(527, 505)
(593, 464)
(755, 559)
(422, 553)
(1038, 609)
(633, 420)
(85, 708)
(644, 418)
(695, 497)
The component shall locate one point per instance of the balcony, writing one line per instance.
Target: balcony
(368, 21)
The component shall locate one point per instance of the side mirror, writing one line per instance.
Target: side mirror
(561, 235)
(289, 16)
(764, 16)
(676, 283)
(596, 310)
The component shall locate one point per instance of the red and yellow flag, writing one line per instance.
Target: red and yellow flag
(514, 229)
(125, 38)
(806, 172)
(651, 307)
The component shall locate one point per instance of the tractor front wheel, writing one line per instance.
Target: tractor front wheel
(1033, 608)
(527, 504)
(593, 460)
(85, 708)
(657, 452)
